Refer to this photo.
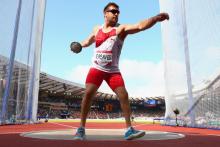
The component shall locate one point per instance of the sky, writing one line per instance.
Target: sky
(141, 61)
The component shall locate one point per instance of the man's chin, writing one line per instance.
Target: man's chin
(115, 21)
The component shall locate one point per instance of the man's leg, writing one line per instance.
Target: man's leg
(93, 81)
(86, 102)
(85, 107)
(131, 133)
(116, 83)
(122, 94)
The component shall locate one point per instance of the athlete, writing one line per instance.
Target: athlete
(108, 39)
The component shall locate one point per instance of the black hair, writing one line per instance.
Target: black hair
(110, 4)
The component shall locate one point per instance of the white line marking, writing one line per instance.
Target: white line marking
(68, 126)
(5, 133)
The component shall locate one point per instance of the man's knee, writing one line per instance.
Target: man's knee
(121, 93)
(124, 95)
(89, 94)
(90, 90)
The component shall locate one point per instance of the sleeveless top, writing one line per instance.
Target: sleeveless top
(107, 51)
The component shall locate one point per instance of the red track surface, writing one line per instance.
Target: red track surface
(10, 136)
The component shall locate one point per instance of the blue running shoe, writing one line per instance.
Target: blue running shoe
(80, 134)
(131, 133)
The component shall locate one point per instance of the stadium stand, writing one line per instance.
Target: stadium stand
(58, 97)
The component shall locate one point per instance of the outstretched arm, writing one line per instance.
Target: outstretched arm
(91, 39)
(124, 30)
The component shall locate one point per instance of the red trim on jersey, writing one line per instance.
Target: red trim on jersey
(102, 37)
(104, 51)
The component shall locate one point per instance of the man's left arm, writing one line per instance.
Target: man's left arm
(144, 24)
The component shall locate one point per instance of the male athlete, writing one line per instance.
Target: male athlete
(108, 39)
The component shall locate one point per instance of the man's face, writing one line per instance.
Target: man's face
(112, 14)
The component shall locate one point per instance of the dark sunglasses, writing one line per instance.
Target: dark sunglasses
(113, 11)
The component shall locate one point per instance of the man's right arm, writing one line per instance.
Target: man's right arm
(91, 39)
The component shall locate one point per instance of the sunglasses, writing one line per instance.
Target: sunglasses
(113, 11)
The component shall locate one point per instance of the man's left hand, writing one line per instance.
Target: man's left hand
(162, 17)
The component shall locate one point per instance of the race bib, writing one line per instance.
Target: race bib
(103, 59)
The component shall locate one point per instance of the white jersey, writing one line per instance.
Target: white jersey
(107, 52)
